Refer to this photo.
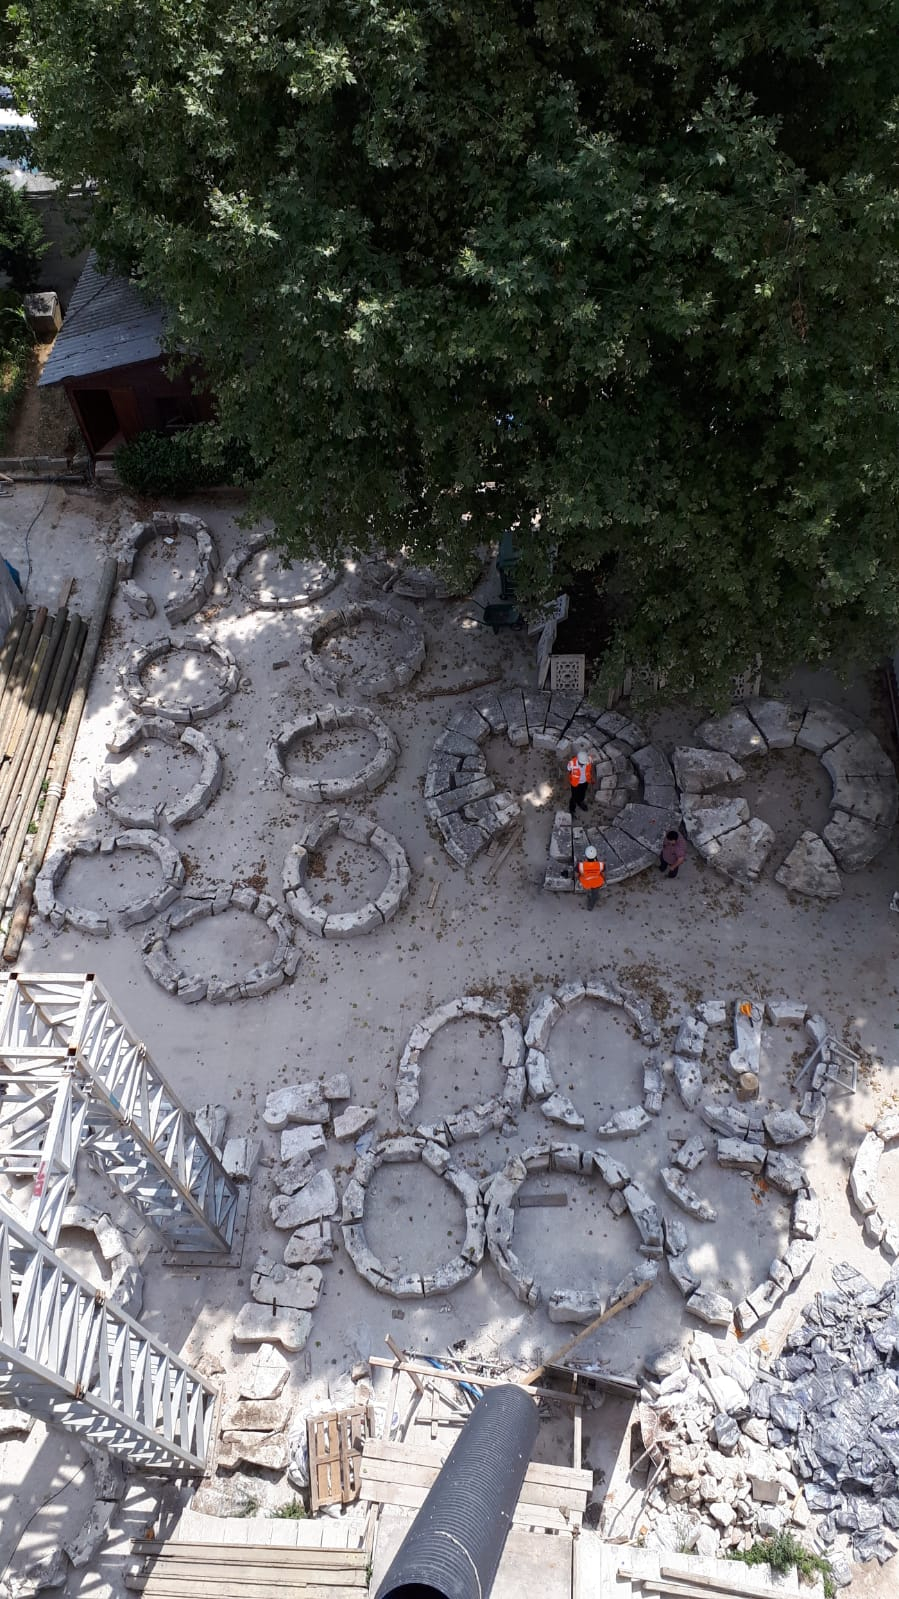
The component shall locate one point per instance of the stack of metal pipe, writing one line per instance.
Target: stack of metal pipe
(38, 663)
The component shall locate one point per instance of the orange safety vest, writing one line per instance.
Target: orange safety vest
(591, 873)
(579, 774)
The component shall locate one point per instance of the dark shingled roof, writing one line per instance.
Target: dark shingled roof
(108, 325)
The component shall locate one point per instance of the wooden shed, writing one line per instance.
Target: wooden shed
(109, 358)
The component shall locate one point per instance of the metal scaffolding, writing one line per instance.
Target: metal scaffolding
(69, 1356)
(73, 1076)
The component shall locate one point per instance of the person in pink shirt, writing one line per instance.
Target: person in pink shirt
(674, 852)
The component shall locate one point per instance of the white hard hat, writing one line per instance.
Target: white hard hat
(590, 853)
(582, 757)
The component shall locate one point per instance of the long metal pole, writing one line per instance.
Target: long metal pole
(61, 765)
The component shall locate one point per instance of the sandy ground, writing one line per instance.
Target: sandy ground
(352, 1005)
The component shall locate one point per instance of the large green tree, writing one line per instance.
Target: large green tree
(622, 274)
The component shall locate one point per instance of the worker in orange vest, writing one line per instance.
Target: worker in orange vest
(591, 874)
(580, 774)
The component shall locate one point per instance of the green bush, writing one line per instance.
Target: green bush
(173, 464)
(22, 241)
(783, 1552)
(294, 1510)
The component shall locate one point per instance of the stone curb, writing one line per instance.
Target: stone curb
(864, 798)
(177, 813)
(316, 590)
(373, 913)
(412, 1285)
(466, 1124)
(541, 1086)
(391, 676)
(864, 1185)
(314, 791)
(192, 987)
(177, 710)
(79, 917)
(162, 524)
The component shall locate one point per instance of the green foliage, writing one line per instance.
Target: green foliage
(634, 268)
(294, 1510)
(172, 464)
(784, 1551)
(22, 240)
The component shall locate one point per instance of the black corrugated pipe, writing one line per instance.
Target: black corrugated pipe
(454, 1546)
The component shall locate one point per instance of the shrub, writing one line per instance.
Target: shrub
(22, 241)
(294, 1510)
(783, 1552)
(173, 463)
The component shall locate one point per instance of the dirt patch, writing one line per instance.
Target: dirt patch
(43, 423)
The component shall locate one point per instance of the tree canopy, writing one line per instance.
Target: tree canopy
(622, 276)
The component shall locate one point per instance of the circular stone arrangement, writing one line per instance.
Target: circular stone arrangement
(412, 1285)
(178, 812)
(865, 1187)
(368, 916)
(377, 680)
(57, 865)
(540, 1082)
(634, 781)
(369, 777)
(179, 710)
(500, 1191)
(178, 607)
(192, 987)
(863, 806)
(322, 580)
(465, 1123)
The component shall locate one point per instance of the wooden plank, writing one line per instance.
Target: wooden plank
(212, 1579)
(577, 1441)
(424, 1477)
(432, 897)
(418, 1455)
(288, 1555)
(393, 1493)
(181, 1588)
(397, 1353)
(475, 1378)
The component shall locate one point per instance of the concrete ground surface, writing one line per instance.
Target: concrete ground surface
(352, 1005)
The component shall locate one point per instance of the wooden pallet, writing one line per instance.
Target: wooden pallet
(243, 1571)
(335, 1455)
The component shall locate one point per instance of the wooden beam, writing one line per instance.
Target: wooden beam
(473, 1379)
(558, 1355)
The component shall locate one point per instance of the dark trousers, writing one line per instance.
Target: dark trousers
(578, 797)
(664, 867)
(592, 894)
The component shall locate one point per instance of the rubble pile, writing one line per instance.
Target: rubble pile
(743, 1452)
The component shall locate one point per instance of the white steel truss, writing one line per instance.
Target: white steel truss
(71, 1357)
(73, 1076)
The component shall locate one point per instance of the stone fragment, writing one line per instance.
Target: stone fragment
(299, 1102)
(211, 1121)
(785, 1012)
(85, 1544)
(810, 869)
(727, 1120)
(691, 1036)
(310, 1243)
(734, 732)
(15, 1423)
(675, 1235)
(294, 1174)
(255, 1324)
(727, 1433)
(610, 1170)
(854, 842)
(798, 1256)
(265, 1375)
(624, 1123)
(680, 1273)
(338, 1085)
(785, 1127)
(674, 1184)
(697, 770)
(887, 1126)
(737, 1154)
(317, 1199)
(720, 1511)
(714, 1309)
(690, 1154)
(354, 1120)
(559, 1108)
(296, 1141)
(785, 1173)
(267, 1452)
(257, 1415)
(863, 1176)
(239, 1158)
(283, 1286)
(689, 1079)
(777, 720)
(805, 1217)
(645, 1215)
